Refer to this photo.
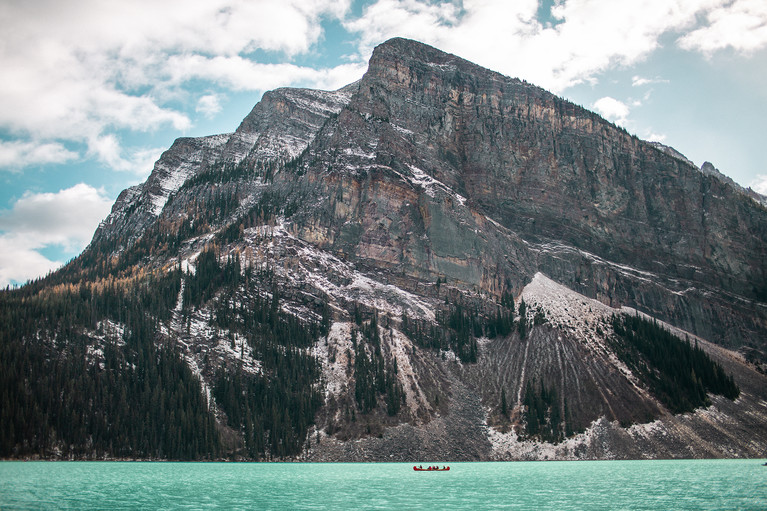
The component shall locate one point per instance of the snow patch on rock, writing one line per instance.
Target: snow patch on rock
(172, 178)
(317, 271)
(568, 310)
(401, 347)
(585, 445)
(388, 298)
(429, 184)
(333, 352)
(402, 131)
(323, 103)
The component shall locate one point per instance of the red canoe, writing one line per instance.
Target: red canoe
(431, 469)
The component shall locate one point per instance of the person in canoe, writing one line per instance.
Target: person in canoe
(431, 468)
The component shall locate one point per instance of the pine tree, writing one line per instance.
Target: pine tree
(504, 405)
(522, 327)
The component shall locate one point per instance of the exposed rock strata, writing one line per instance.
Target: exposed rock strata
(431, 182)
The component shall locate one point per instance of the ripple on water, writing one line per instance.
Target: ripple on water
(689, 484)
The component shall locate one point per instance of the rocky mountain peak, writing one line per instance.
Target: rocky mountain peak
(709, 168)
(283, 123)
(443, 169)
(404, 52)
(436, 261)
(672, 152)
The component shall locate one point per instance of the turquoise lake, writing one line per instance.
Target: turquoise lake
(686, 484)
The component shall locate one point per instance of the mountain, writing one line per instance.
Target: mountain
(434, 262)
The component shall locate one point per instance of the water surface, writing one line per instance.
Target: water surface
(687, 484)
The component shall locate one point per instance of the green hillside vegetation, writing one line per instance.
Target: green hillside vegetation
(679, 374)
(373, 376)
(141, 400)
(69, 387)
(274, 408)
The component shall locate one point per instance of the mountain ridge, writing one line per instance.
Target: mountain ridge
(435, 261)
(691, 234)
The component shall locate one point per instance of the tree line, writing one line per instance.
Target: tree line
(458, 327)
(66, 393)
(273, 408)
(679, 374)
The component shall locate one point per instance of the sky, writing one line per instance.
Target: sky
(92, 91)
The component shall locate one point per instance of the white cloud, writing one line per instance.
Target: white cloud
(16, 154)
(20, 263)
(612, 110)
(59, 96)
(739, 24)
(590, 36)
(107, 149)
(241, 74)
(67, 219)
(760, 184)
(640, 81)
(82, 70)
(421, 20)
(208, 105)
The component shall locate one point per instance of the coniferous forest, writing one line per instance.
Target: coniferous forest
(373, 376)
(126, 398)
(678, 373)
(85, 374)
(128, 395)
(274, 408)
(459, 327)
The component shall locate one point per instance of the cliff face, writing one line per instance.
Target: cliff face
(452, 257)
(138, 207)
(278, 129)
(439, 167)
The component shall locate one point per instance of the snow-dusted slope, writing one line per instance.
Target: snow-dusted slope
(283, 124)
(718, 430)
(566, 309)
(139, 206)
(279, 128)
(184, 159)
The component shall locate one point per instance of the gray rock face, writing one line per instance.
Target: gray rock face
(440, 167)
(283, 123)
(278, 129)
(433, 181)
(139, 206)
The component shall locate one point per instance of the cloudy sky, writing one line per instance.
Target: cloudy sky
(92, 91)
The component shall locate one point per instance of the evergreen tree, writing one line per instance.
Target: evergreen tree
(522, 327)
(504, 405)
(677, 373)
